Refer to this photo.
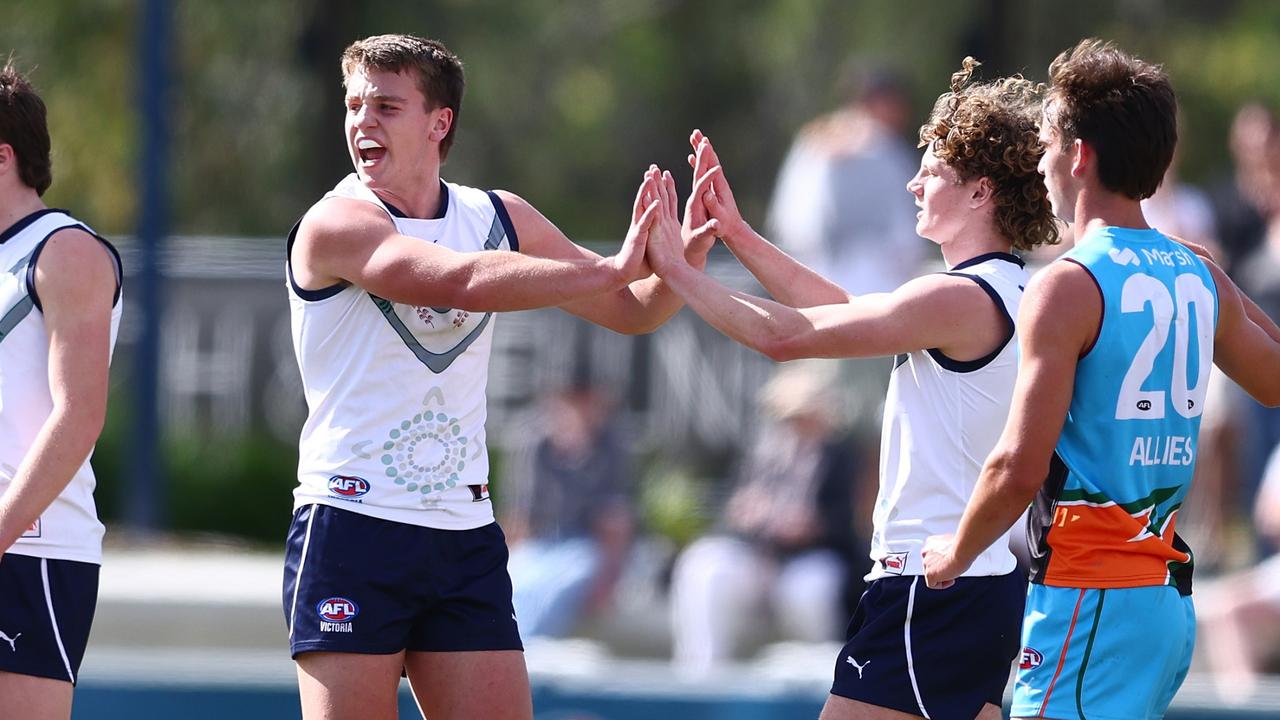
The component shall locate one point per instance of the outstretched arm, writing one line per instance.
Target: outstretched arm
(1249, 353)
(1050, 342)
(76, 282)
(936, 311)
(1251, 309)
(787, 280)
(353, 241)
(638, 307)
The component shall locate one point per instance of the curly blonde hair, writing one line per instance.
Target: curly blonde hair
(991, 130)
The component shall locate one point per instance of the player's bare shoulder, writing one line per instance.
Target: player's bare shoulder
(331, 234)
(1063, 279)
(949, 294)
(75, 259)
(954, 314)
(1063, 302)
(538, 236)
(343, 220)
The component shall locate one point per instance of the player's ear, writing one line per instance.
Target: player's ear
(441, 121)
(1081, 157)
(983, 191)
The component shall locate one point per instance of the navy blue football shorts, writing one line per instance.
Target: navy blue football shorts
(940, 654)
(46, 610)
(359, 584)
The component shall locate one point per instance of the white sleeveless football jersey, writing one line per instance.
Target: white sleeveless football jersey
(942, 417)
(396, 393)
(69, 528)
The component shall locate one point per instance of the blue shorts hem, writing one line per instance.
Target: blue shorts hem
(47, 674)
(878, 702)
(309, 647)
(478, 646)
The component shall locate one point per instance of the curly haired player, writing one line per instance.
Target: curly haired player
(951, 334)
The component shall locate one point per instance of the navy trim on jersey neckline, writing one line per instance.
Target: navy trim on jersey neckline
(444, 206)
(964, 366)
(22, 224)
(505, 219)
(1010, 257)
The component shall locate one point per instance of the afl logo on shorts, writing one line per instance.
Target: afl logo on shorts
(348, 486)
(337, 610)
(1031, 658)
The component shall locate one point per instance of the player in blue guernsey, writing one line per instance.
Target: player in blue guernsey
(1117, 339)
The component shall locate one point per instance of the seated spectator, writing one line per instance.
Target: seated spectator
(785, 545)
(569, 520)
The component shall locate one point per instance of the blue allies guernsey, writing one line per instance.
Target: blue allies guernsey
(1106, 515)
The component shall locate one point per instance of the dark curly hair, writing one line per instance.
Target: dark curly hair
(1122, 106)
(991, 130)
(438, 71)
(24, 128)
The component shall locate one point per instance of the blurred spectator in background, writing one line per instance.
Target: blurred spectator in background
(1182, 210)
(838, 206)
(1240, 204)
(788, 536)
(1258, 274)
(569, 519)
(1239, 614)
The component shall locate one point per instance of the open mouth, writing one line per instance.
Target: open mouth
(370, 151)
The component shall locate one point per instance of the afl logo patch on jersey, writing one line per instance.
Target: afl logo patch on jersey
(348, 486)
(479, 493)
(1031, 658)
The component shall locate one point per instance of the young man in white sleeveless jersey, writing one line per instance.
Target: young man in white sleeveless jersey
(394, 561)
(59, 314)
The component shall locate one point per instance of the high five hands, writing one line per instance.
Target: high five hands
(712, 189)
(710, 211)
